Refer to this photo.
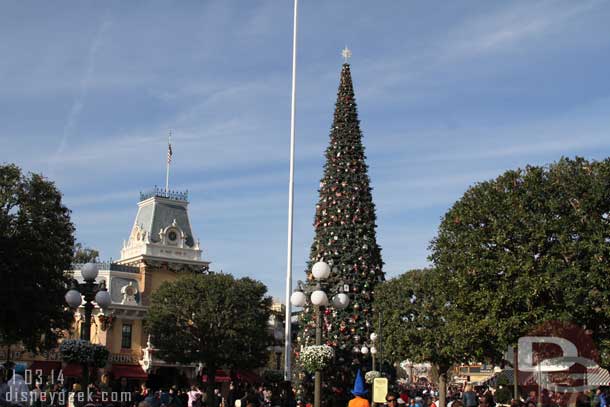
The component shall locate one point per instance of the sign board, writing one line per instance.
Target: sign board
(19, 354)
(380, 389)
(124, 358)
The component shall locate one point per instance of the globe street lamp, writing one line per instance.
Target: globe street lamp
(318, 297)
(91, 291)
(373, 349)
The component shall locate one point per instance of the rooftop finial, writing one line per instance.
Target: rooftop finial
(347, 54)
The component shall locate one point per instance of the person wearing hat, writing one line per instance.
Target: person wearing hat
(359, 392)
(18, 390)
(392, 399)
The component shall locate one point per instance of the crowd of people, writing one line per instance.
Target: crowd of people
(15, 391)
(427, 395)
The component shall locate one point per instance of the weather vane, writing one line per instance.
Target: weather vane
(347, 54)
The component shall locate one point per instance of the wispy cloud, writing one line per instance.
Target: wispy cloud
(447, 97)
(577, 131)
(560, 146)
(74, 201)
(513, 24)
(482, 43)
(79, 101)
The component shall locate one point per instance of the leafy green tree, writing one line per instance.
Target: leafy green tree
(36, 241)
(212, 319)
(420, 323)
(84, 254)
(527, 247)
(345, 238)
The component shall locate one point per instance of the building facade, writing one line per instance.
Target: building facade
(161, 246)
(473, 373)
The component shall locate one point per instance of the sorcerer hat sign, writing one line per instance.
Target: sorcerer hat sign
(359, 389)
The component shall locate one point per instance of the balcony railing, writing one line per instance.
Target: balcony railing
(160, 192)
(106, 265)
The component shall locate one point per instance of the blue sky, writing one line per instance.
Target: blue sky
(449, 94)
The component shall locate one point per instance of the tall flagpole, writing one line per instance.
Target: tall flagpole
(288, 321)
(169, 160)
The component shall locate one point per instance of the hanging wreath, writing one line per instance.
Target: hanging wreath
(369, 377)
(316, 357)
(105, 321)
(83, 352)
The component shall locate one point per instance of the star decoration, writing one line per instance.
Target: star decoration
(347, 54)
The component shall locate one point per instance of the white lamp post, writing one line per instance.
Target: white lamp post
(373, 349)
(298, 298)
(320, 271)
(318, 297)
(91, 291)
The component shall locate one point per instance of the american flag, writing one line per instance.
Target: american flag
(169, 152)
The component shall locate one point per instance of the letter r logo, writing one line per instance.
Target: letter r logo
(526, 350)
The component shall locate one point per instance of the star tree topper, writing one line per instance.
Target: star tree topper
(347, 54)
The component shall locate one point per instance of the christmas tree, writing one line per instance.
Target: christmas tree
(345, 239)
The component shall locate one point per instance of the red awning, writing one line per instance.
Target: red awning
(129, 371)
(248, 376)
(221, 377)
(46, 366)
(72, 370)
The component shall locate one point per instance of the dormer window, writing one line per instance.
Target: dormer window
(172, 237)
